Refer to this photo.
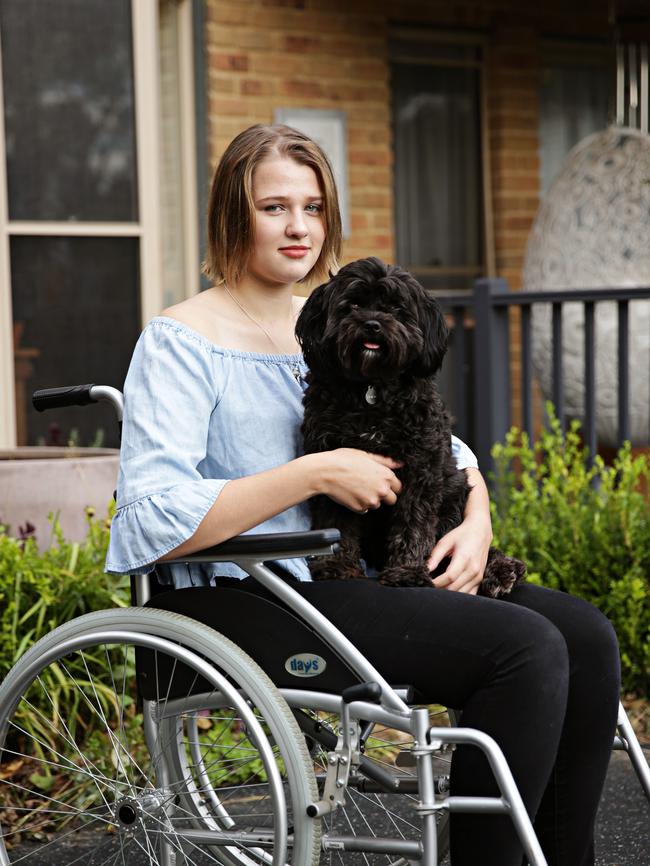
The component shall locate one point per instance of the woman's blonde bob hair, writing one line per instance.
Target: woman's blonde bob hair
(231, 212)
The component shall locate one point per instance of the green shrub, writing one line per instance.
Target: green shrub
(40, 590)
(582, 528)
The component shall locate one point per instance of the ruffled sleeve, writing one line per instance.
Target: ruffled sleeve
(465, 457)
(170, 393)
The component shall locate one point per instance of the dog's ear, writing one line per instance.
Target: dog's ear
(311, 324)
(435, 334)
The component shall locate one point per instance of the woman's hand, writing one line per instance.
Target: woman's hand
(357, 479)
(467, 544)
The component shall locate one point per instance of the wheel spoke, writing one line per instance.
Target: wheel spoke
(75, 754)
(66, 739)
(100, 714)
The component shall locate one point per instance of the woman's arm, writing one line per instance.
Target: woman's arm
(166, 508)
(354, 478)
(467, 544)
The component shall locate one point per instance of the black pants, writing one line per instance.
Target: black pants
(539, 672)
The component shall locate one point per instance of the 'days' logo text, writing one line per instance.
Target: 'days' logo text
(305, 665)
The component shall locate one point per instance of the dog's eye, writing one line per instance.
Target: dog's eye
(354, 306)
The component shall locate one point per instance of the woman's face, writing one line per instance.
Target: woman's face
(289, 222)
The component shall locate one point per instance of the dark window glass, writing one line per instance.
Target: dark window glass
(76, 315)
(437, 140)
(69, 123)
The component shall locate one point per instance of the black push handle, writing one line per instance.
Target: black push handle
(370, 692)
(69, 395)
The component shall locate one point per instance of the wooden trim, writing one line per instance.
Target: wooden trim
(578, 52)
(431, 34)
(36, 228)
(480, 41)
(435, 61)
(7, 387)
(146, 76)
(189, 203)
(144, 16)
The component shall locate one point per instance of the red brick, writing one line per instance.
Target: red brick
(304, 89)
(358, 221)
(221, 83)
(381, 177)
(370, 157)
(372, 199)
(519, 160)
(256, 87)
(222, 105)
(235, 62)
(301, 44)
(516, 182)
(510, 222)
(277, 64)
(357, 92)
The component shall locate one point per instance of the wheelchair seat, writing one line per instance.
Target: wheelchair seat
(286, 649)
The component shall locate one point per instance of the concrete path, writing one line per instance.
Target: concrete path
(623, 828)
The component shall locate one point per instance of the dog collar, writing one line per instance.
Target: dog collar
(371, 395)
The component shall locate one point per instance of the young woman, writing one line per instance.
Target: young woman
(211, 448)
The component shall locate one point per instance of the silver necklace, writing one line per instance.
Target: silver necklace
(295, 369)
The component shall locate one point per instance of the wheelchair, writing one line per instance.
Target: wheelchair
(229, 727)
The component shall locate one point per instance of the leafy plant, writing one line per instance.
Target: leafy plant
(582, 527)
(39, 590)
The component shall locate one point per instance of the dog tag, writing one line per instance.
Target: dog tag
(371, 395)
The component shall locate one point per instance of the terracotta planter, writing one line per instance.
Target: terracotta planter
(36, 481)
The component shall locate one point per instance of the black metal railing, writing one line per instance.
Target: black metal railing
(476, 378)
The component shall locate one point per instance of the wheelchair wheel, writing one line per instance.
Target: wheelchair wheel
(369, 809)
(89, 771)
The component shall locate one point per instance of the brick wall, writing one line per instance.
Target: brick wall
(264, 54)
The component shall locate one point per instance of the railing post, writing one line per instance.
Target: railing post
(491, 369)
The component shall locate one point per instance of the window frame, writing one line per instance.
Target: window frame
(479, 41)
(146, 83)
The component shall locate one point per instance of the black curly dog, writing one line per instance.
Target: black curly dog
(374, 340)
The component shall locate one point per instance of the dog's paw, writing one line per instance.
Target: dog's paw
(502, 573)
(406, 575)
(335, 570)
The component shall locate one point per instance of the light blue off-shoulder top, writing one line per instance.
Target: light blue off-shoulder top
(196, 416)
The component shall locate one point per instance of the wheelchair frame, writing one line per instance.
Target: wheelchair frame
(373, 700)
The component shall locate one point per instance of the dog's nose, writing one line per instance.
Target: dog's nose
(372, 326)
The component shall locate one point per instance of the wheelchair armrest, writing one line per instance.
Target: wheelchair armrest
(270, 545)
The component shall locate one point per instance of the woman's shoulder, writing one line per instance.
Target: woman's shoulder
(209, 316)
(191, 322)
(199, 313)
(175, 335)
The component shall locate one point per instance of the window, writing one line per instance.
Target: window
(438, 143)
(96, 181)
